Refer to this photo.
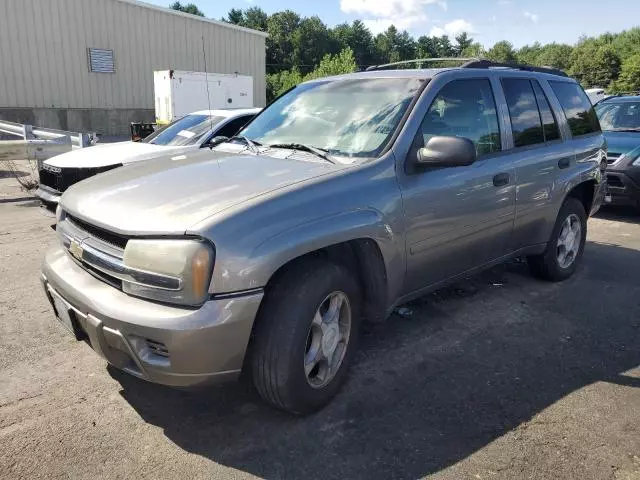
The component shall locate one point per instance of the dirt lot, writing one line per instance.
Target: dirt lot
(500, 376)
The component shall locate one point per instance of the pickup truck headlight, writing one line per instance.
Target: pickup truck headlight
(170, 271)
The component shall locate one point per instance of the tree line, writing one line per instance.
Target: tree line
(299, 48)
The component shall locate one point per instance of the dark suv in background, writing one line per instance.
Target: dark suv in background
(620, 121)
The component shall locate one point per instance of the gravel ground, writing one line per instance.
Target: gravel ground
(499, 376)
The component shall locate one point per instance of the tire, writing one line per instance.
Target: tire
(548, 265)
(284, 337)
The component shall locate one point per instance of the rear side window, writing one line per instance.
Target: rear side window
(464, 108)
(549, 123)
(577, 108)
(523, 110)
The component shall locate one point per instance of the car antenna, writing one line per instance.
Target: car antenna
(206, 79)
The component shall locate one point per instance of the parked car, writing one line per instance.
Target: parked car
(596, 94)
(190, 132)
(620, 121)
(344, 198)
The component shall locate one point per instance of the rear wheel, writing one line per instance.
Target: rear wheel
(305, 336)
(564, 250)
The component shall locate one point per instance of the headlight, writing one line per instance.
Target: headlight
(172, 271)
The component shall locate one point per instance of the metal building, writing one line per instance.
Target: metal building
(87, 65)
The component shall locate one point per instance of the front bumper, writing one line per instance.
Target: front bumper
(622, 189)
(49, 197)
(159, 343)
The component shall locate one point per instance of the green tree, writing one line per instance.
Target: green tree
(529, 54)
(629, 79)
(427, 47)
(463, 41)
(358, 38)
(343, 62)
(235, 16)
(444, 47)
(475, 50)
(393, 46)
(595, 65)
(189, 8)
(627, 43)
(310, 43)
(502, 52)
(281, 27)
(255, 18)
(556, 55)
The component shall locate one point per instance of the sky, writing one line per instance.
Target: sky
(519, 21)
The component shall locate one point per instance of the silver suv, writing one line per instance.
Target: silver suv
(344, 198)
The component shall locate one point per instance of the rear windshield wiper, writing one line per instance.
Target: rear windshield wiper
(319, 152)
(253, 146)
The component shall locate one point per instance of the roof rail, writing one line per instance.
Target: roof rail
(515, 66)
(422, 60)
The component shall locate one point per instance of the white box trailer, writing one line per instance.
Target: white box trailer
(179, 93)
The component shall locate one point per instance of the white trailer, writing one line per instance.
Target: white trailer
(178, 93)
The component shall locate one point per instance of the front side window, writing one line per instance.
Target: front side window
(523, 111)
(577, 108)
(184, 131)
(619, 116)
(350, 118)
(464, 108)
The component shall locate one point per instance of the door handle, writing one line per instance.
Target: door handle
(564, 163)
(501, 179)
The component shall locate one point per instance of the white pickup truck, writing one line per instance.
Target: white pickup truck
(190, 132)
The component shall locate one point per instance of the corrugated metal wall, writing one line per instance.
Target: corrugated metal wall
(43, 52)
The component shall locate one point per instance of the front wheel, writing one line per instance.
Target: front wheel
(565, 247)
(305, 337)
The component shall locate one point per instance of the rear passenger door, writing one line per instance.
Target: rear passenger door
(538, 154)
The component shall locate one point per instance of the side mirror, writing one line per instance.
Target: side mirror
(216, 141)
(447, 152)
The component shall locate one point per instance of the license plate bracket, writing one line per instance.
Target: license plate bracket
(66, 317)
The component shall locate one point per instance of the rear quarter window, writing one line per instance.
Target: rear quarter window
(577, 108)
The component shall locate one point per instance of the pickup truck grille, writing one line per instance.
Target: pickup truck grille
(60, 179)
(99, 252)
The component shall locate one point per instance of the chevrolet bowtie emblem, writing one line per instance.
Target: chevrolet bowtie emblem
(75, 249)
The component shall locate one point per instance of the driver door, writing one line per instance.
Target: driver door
(459, 217)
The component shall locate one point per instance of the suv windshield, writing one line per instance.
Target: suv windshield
(351, 118)
(620, 116)
(184, 131)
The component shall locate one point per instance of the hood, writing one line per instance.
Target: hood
(622, 142)
(102, 155)
(172, 193)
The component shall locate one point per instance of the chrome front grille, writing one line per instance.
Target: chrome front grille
(101, 253)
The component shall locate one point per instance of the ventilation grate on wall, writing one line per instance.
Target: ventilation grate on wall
(101, 60)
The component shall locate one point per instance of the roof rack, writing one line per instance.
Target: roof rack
(421, 60)
(515, 66)
(474, 63)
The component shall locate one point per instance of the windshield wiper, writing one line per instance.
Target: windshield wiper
(319, 152)
(628, 129)
(253, 146)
